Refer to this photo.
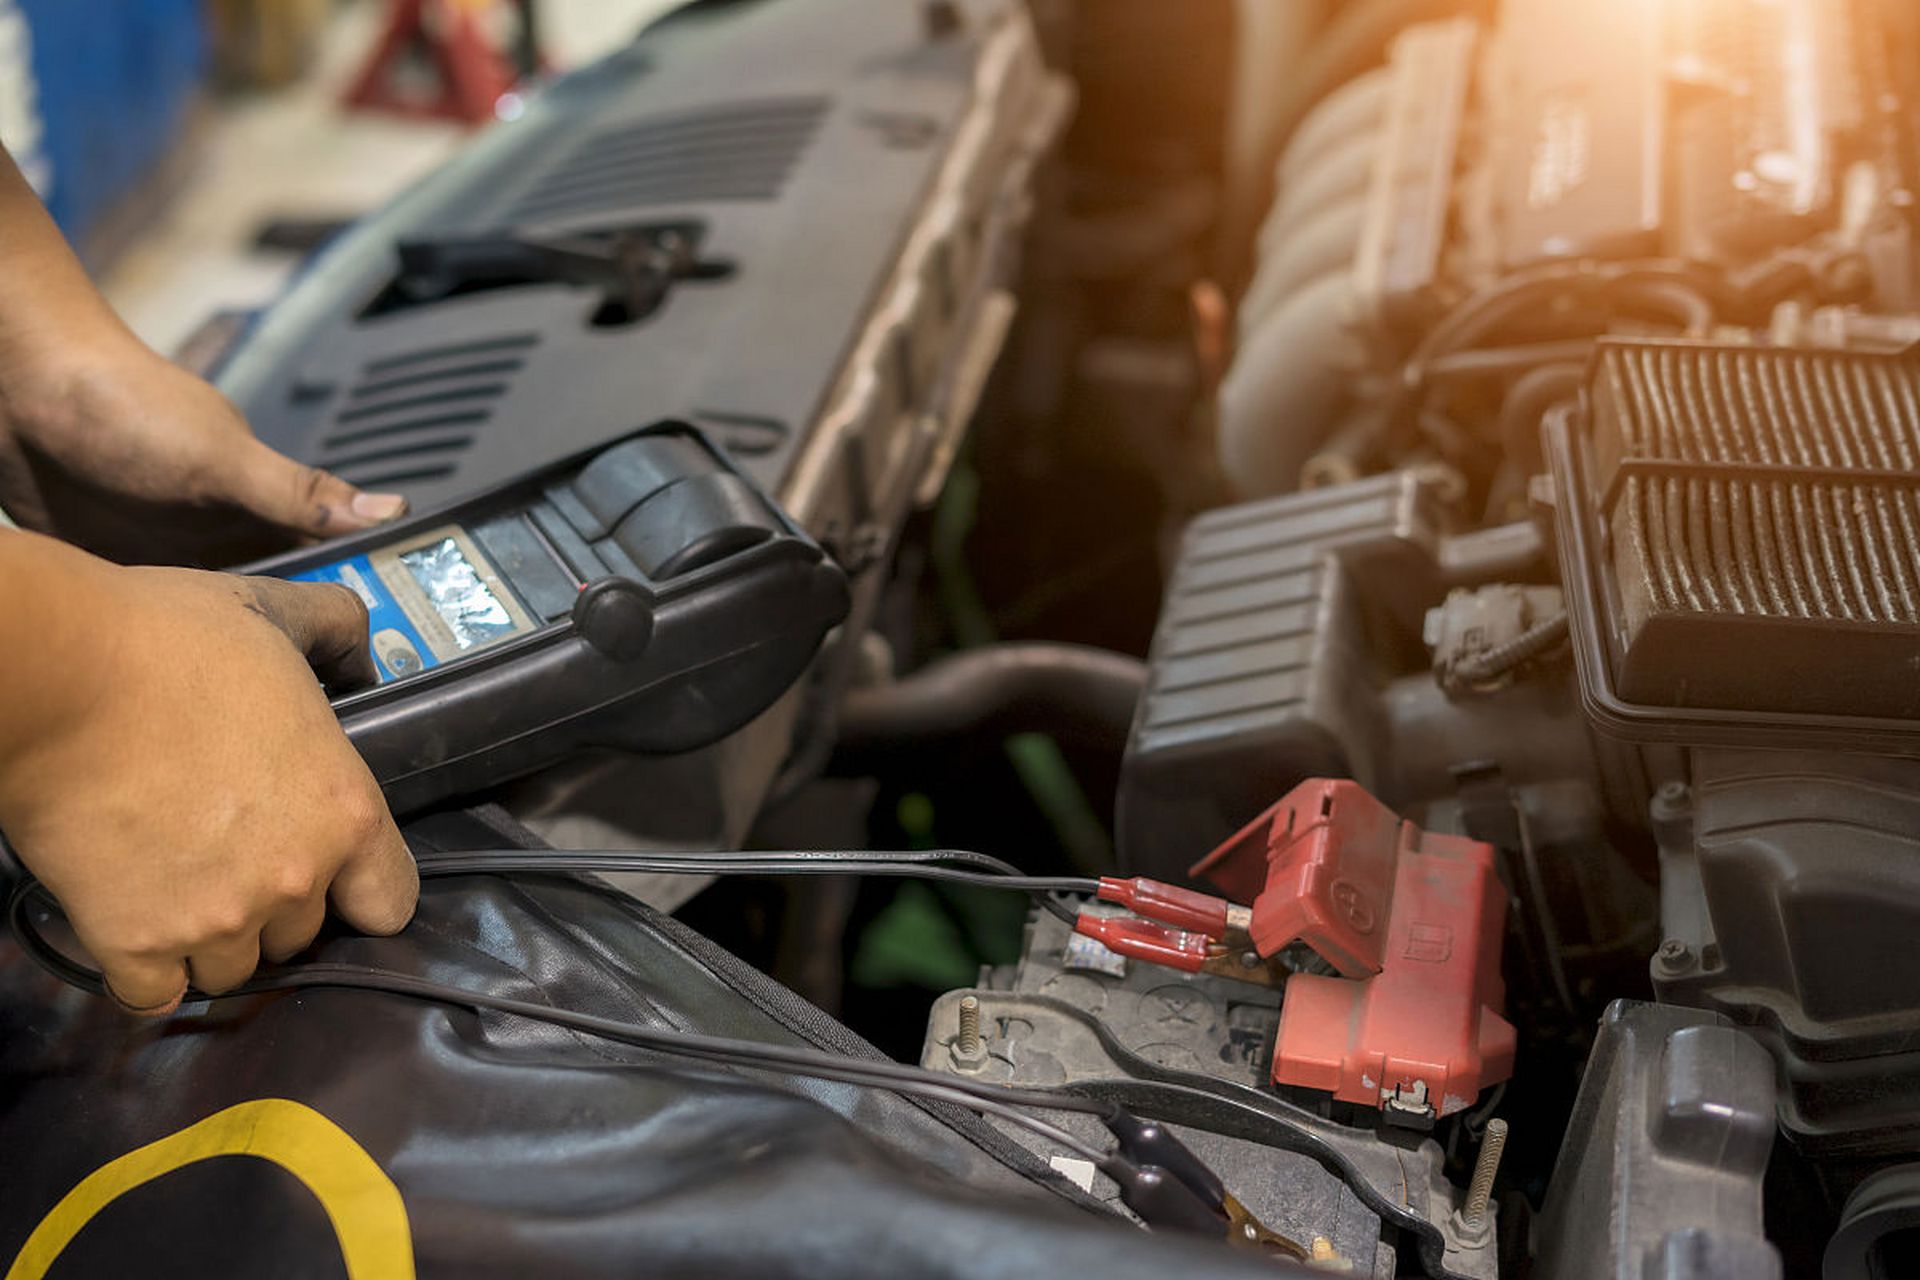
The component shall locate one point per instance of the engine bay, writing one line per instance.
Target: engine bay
(1411, 507)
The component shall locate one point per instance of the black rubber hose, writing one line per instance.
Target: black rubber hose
(1074, 692)
(1674, 298)
(1659, 285)
(1527, 401)
(1526, 404)
(1497, 361)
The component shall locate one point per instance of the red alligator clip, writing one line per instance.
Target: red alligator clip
(1168, 903)
(1182, 929)
(1146, 940)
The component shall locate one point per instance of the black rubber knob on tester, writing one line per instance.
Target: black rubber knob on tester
(616, 618)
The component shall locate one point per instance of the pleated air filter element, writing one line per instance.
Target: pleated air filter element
(1747, 523)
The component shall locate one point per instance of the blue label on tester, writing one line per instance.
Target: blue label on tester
(397, 647)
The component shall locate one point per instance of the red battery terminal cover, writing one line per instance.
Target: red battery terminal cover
(1412, 920)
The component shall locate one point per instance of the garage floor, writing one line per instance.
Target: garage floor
(293, 153)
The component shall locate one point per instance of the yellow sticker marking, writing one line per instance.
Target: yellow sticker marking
(369, 1218)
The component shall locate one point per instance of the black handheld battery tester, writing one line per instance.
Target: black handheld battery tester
(644, 596)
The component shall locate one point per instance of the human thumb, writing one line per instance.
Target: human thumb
(306, 500)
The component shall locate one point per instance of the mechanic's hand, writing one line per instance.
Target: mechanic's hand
(109, 446)
(172, 772)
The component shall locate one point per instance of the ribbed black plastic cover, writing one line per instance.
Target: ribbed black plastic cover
(1758, 515)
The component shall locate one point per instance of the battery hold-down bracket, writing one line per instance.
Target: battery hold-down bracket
(1413, 921)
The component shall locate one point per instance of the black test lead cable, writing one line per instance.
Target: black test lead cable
(1162, 1196)
(918, 864)
(1159, 1179)
(922, 864)
(879, 1073)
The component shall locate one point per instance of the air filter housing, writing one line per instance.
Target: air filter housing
(1740, 533)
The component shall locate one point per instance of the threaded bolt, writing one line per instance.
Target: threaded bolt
(969, 1041)
(1480, 1190)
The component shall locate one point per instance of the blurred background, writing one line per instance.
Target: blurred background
(193, 150)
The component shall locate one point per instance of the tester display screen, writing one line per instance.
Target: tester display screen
(429, 599)
(473, 614)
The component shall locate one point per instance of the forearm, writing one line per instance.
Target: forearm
(51, 316)
(49, 625)
(91, 417)
(48, 296)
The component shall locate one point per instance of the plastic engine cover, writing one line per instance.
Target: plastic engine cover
(1702, 129)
